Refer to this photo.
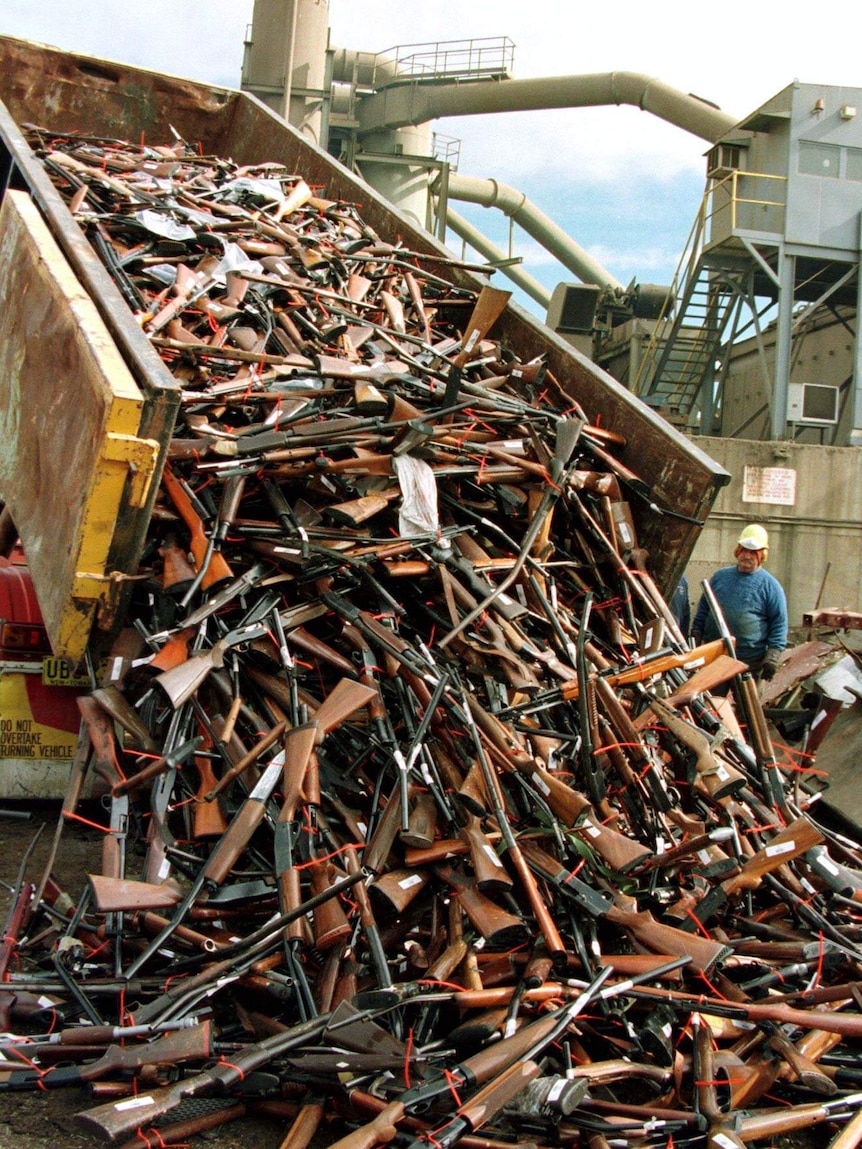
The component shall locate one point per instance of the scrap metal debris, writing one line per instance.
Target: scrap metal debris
(422, 818)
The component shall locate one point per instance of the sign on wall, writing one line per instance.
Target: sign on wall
(775, 485)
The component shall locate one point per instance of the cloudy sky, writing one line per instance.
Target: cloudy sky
(623, 184)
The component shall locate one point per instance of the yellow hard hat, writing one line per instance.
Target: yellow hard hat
(754, 538)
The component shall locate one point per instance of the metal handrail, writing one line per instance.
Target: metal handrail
(446, 59)
(687, 262)
(731, 183)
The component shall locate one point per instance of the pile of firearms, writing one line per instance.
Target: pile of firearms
(425, 822)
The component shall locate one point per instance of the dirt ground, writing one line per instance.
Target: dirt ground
(40, 1120)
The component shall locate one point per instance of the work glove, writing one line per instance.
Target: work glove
(770, 664)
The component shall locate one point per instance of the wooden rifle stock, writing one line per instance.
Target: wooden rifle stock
(117, 1119)
(189, 1044)
(758, 736)
(208, 819)
(787, 844)
(714, 776)
(331, 927)
(704, 952)
(304, 1126)
(123, 895)
(217, 570)
(499, 928)
(396, 889)
(756, 1126)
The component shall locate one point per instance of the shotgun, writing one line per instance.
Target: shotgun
(715, 776)
(227, 850)
(483, 1067)
(213, 569)
(703, 953)
(791, 842)
(191, 1043)
(301, 745)
(657, 664)
(122, 1118)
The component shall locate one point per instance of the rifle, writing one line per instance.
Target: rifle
(190, 1043)
(124, 714)
(179, 1132)
(208, 820)
(225, 853)
(655, 936)
(490, 304)
(120, 895)
(117, 1119)
(546, 924)
(300, 742)
(846, 1024)
(714, 776)
(483, 1067)
(212, 568)
(630, 761)
(499, 928)
(104, 751)
(167, 761)
(707, 1083)
(657, 664)
(791, 842)
(180, 682)
(755, 1126)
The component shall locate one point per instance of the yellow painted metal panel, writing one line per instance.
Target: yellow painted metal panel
(70, 413)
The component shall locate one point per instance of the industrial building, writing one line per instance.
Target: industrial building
(753, 347)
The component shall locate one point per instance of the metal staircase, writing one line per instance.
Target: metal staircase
(680, 362)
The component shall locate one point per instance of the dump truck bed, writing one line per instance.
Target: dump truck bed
(67, 92)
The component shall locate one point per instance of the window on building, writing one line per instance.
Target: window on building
(854, 163)
(819, 159)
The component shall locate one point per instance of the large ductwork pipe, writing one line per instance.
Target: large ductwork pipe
(494, 254)
(492, 193)
(418, 103)
(285, 62)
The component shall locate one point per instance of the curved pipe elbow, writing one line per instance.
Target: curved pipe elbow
(515, 204)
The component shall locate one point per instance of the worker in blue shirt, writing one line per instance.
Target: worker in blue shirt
(753, 604)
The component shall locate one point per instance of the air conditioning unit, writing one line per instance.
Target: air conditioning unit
(722, 160)
(572, 310)
(814, 404)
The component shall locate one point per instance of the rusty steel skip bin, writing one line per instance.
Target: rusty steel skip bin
(68, 92)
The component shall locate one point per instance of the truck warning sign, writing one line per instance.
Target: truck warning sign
(27, 725)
